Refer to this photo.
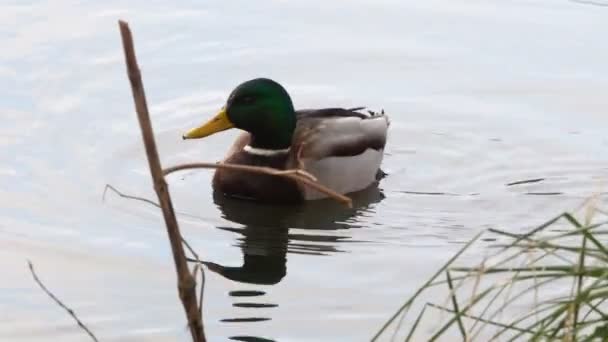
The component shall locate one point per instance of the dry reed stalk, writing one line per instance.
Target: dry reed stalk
(185, 281)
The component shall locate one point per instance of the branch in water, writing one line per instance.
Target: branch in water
(142, 199)
(123, 195)
(60, 303)
(294, 174)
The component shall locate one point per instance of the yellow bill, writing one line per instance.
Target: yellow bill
(220, 122)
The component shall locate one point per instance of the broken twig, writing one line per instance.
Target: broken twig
(60, 303)
(123, 195)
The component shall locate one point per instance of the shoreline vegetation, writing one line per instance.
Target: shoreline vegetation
(549, 284)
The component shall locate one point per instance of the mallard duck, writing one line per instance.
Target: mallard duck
(342, 148)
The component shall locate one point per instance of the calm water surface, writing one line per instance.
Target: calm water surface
(481, 94)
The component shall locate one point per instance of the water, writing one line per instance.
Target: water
(480, 94)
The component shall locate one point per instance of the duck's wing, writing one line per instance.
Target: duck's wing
(342, 148)
(338, 132)
(332, 112)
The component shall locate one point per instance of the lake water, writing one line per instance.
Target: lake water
(481, 94)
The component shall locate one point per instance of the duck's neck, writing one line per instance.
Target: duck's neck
(270, 142)
(275, 134)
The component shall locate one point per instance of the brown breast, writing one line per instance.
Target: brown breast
(259, 187)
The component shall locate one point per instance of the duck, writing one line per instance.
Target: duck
(342, 148)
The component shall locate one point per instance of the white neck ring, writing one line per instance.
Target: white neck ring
(264, 151)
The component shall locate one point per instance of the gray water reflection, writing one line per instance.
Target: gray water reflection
(265, 242)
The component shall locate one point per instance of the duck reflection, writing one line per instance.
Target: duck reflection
(265, 239)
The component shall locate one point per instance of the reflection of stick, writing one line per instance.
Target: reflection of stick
(186, 284)
(295, 174)
(60, 303)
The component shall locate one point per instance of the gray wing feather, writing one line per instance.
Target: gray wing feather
(339, 132)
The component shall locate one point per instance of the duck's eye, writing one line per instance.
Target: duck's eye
(247, 100)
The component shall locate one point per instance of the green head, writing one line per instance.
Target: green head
(261, 107)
